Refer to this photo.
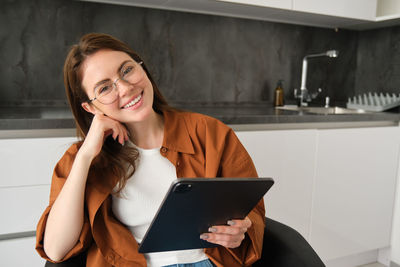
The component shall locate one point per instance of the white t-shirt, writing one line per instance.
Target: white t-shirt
(140, 200)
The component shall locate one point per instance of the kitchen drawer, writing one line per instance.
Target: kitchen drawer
(21, 208)
(20, 252)
(30, 161)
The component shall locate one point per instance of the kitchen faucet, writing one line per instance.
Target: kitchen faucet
(304, 96)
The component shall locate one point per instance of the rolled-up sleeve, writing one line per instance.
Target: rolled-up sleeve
(60, 174)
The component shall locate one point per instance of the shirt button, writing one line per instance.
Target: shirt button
(164, 150)
(178, 163)
(111, 258)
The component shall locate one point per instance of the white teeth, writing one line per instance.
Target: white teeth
(133, 102)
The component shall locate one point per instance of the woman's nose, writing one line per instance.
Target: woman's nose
(122, 87)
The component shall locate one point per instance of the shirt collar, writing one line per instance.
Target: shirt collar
(176, 134)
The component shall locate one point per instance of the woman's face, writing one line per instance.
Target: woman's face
(133, 101)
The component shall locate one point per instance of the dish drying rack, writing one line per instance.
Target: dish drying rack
(374, 102)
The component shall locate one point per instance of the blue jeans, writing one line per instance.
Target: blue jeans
(205, 263)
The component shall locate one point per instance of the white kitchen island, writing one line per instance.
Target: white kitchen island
(334, 182)
(337, 187)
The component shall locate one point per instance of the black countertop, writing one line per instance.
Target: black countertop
(30, 118)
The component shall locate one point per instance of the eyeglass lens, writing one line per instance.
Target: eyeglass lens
(107, 92)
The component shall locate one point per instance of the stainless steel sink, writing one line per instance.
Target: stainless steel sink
(323, 110)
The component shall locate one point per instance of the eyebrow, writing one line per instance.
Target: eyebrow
(106, 80)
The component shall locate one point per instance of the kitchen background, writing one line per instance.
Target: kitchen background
(195, 58)
(205, 60)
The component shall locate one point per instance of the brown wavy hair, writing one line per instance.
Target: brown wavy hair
(120, 160)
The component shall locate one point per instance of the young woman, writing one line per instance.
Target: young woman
(107, 188)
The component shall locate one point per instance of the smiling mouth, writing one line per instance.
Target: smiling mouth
(133, 102)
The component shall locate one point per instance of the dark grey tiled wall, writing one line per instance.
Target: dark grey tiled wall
(193, 57)
(378, 61)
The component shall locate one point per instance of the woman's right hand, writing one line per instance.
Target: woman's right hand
(101, 127)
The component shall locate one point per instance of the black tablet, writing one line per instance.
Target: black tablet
(191, 206)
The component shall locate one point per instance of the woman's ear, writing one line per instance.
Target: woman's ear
(89, 108)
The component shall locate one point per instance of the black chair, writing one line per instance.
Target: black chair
(283, 247)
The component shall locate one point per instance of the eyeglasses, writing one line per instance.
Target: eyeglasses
(107, 92)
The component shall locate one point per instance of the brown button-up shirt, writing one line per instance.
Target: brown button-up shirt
(198, 146)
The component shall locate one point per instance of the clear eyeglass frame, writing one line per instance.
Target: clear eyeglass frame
(113, 90)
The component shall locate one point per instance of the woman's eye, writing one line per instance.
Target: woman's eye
(127, 70)
(104, 89)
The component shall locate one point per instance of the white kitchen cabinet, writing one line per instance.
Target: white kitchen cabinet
(335, 186)
(356, 172)
(388, 8)
(20, 252)
(354, 9)
(387, 13)
(320, 13)
(348, 14)
(30, 161)
(289, 158)
(27, 165)
(21, 207)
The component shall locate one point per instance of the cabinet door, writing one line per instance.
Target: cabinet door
(354, 190)
(20, 252)
(30, 161)
(288, 157)
(355, 9)
(21, 207)
(27, 166)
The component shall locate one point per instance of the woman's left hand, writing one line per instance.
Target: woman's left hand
(230, 236)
